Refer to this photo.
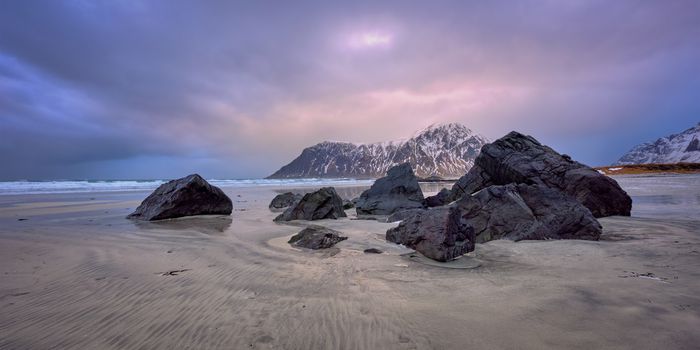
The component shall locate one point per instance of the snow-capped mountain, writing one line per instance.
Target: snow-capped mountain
(444, 150)
(676, 148)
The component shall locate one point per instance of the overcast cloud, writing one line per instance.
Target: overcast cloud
(154, 89)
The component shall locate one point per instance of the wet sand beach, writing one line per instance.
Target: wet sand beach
(75, 274)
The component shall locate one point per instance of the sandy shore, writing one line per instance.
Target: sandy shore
(76, 274)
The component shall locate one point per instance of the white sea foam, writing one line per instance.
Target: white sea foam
(69, 186)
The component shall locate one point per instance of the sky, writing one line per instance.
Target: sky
(236, 89)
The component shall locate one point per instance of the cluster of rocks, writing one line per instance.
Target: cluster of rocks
(318, 205)
(192, 195)
(518, 189)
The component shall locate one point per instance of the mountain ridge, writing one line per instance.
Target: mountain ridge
(683, 147)
(445, 150)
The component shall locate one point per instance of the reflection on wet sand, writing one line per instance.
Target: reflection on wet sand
(208, 224)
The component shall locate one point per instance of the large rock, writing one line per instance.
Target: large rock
(518, 158)
(515, 212)
(533, 212)
(398, 190)
(322, 204)
(316, 237)
(284, 200)
(438, 233)
(191, 195)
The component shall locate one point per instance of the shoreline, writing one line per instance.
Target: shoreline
(304, 184)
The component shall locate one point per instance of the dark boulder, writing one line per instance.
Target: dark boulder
(515, 212)
(441, 198)
(526, 212)
(398, 190)
(316, 237)
(284, 200)
(190, 195)
(439, 233)
(322, 204)
(518, 158)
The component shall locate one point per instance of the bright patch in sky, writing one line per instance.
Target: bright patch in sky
(370, 40)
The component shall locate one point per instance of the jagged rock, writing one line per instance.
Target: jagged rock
(372, 251)
(475, 179)
(441, 198)
(398, 190)
(322, 204)
(403, 215)
(190, 195)
(515, 212)
(316, 237)
(533, 212)
(517, 158)
(284, 200)
(437, 233)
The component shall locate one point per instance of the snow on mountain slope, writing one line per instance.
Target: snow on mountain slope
(444, 150)
(676, 148)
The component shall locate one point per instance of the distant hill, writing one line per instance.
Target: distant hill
(444, 150)
(683, 147)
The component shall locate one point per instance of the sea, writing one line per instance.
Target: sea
(84, 186)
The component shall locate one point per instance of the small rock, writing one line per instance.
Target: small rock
(373, 251)
(316, 237)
